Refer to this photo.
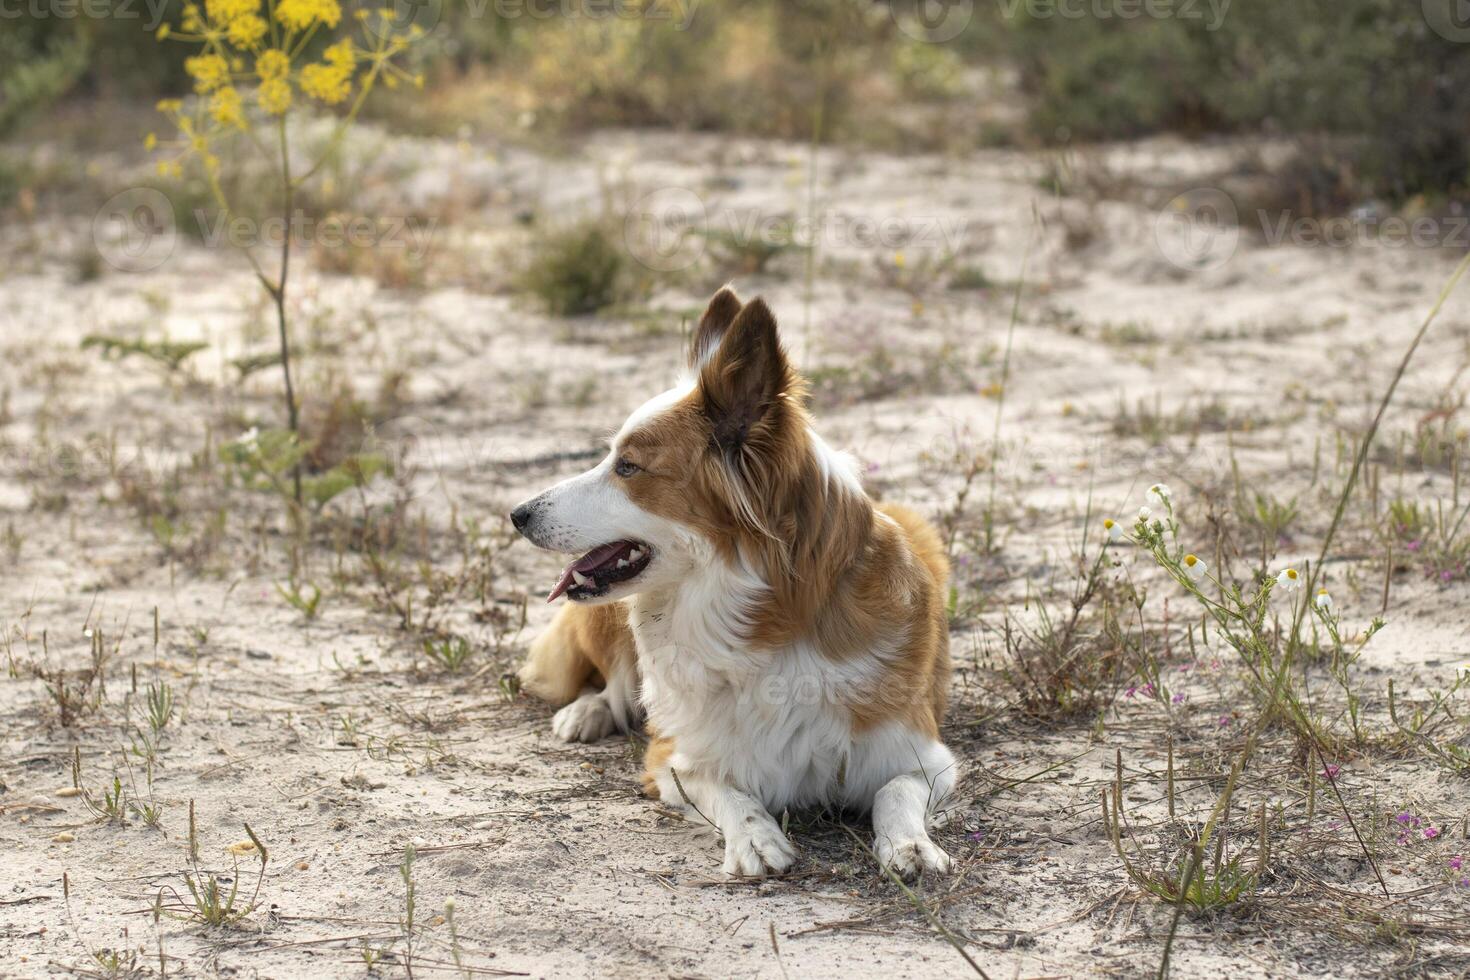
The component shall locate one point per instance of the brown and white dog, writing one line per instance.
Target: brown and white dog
(786, 636)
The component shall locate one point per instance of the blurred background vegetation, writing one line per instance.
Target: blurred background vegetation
(1373, 96)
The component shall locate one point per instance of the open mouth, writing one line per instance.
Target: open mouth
(600, 569)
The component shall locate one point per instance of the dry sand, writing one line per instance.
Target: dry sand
(340, 747)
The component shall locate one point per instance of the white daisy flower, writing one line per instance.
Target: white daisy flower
(1288, 580)
(1159, 495)
(251, 436)
(1195, 567)
(1112, 530)
(1144, 513)
(1462, 670)
(1323, 600)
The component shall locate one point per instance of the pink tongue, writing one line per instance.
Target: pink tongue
(586, 563)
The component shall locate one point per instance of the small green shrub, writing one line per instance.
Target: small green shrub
(576, 270)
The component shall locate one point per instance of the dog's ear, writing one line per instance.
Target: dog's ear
(718, 316)
(743, 381)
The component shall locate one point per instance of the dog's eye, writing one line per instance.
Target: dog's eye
(624, 468)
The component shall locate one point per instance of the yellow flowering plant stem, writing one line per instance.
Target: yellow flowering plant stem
(263, 43)
(278, 293)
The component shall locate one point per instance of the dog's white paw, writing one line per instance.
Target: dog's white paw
(756, 846)
(907, 857)
(586, 719)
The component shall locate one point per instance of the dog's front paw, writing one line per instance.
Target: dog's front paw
(908, 857)
(757, 845)
(586, 719)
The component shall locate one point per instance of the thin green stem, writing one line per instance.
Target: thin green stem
(279, 294)
(1367, 443)
(1000, 400)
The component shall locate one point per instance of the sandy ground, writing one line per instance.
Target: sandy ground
(340, 746)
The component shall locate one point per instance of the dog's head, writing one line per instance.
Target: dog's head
(693, 474)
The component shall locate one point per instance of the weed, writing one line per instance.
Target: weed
(160, 706)
(171, 355)
(112, 806)
(296, 597)
(575, 270)
(78, 693)
(1075, 664)
(1150, 421)
(450, 653)
(209, 902)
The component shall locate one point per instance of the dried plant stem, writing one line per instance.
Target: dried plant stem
(918, 903)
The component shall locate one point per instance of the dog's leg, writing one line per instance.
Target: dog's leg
(586, 657)
(753, 840)
(906, 778)
(597, 714)
(900, 833)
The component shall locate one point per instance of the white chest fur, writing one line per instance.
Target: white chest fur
(774, 724)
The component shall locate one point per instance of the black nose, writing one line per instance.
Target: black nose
(521, 516)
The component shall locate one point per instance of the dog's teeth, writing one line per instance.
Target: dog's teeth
(634, 555)
(622, 563)
(579, 578)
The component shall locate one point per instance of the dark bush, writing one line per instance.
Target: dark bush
(1375, 72)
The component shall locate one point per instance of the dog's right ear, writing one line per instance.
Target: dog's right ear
(717, 318)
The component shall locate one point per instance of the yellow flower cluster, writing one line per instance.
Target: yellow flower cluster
(272, 64)
(298, 15)
(238, 21)
(226, 108)
(331, 80)
(209, 72)
(246, 32)
(274, 96)
(275, 89)
(247, 41)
